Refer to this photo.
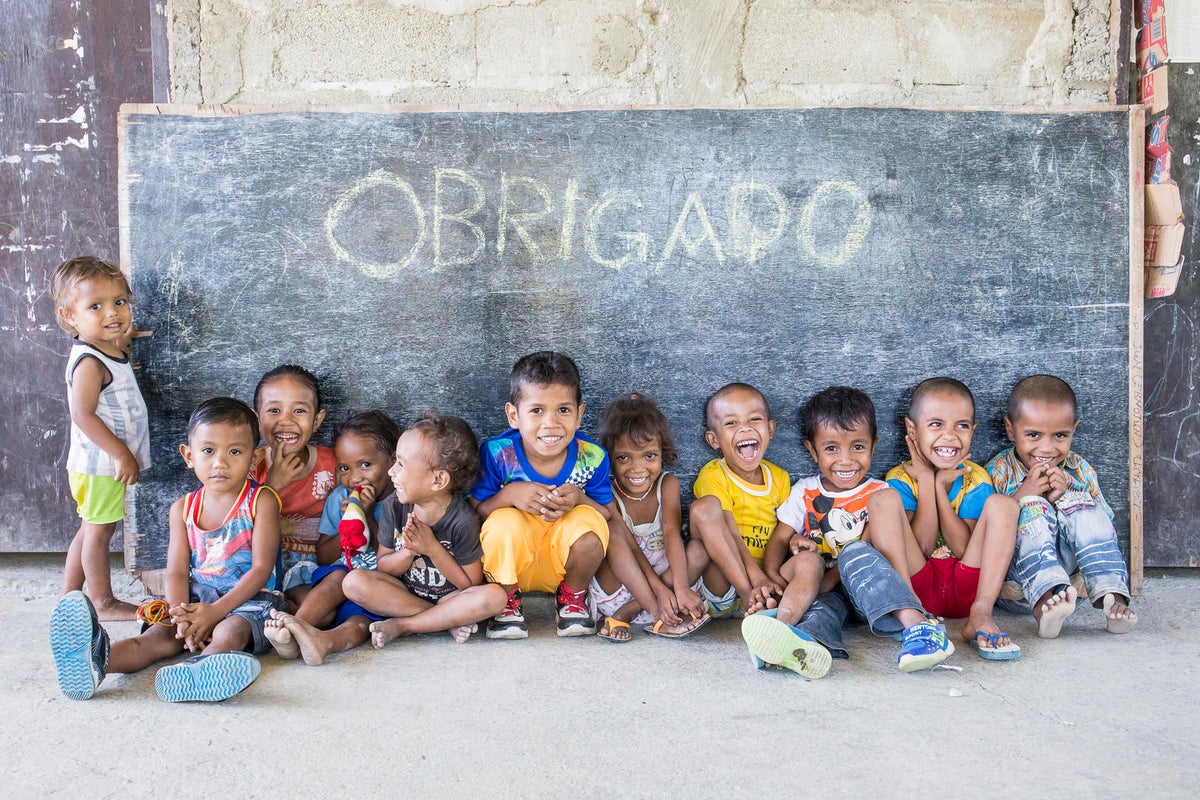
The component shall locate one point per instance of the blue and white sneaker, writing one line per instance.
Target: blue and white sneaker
(925, 646)
(80, 646)
(207, 678)
(774, 642)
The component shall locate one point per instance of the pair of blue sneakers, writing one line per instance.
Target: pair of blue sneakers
(81, 648)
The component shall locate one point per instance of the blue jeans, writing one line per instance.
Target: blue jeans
(874, 589)
(1054, 541)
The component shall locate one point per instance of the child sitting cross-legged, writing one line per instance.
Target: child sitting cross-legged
(365, 447)
(429, 576)
(221, 577)
(856, 526)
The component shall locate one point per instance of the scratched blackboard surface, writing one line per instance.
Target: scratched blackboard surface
(410, 257)
(1172, 442)
(65, 68)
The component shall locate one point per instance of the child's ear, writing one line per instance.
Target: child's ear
(910, 427)
(185, 452)
(811, 450)
(1008, 429)
(711, 439)
(771, 428)
(320, 417)
(259, 454)
(441, 480)
(65, 317)
(510, 411)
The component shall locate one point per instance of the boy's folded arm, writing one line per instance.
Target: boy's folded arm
(394, 562)
(956, 531)
(329, 549)
(179, 557)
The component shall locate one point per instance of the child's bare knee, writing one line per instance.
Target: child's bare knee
(884, 501)
(705, 511)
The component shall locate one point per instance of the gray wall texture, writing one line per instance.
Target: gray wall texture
(644, 52)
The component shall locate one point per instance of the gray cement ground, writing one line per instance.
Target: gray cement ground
(1086, 715)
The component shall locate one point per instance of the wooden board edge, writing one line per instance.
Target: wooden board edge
(225, 110)
(1137, 132)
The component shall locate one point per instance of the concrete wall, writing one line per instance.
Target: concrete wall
(644, 52)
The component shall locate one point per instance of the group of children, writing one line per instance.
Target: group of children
(307, 551)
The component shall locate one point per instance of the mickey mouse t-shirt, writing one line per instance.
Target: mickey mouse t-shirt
(831, 519)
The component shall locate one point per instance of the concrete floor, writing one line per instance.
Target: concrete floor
(1086, 715)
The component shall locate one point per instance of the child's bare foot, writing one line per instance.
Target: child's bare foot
(1117, 614)
(1053, 611)
(279, 636)
(463, 632)
(383, 632)
(114, 610)
(308, 639)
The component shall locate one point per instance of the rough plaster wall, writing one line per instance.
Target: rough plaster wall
(649, 52)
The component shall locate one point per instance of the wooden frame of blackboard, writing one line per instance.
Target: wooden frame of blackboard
(1135, 116)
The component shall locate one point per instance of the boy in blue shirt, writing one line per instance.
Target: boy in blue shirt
(962, 532)
(543, 493)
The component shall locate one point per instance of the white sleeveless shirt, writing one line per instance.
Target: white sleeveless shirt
(120, 407)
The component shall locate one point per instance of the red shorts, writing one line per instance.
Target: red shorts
(946, 587)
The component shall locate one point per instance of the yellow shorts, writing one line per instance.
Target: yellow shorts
(524, 549)
(100, 498)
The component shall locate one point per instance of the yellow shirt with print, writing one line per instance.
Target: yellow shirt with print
(753, 507)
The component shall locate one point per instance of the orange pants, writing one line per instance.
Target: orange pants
(524, 549)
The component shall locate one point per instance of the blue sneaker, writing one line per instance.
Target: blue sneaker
(774, 642)
(754, 659)
(925, 645)
(208, 678)
(79, 644)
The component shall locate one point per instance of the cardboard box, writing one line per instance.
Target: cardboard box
(1156, 136)
(1164, 243)
(1158, 168)
(1161, 281)
(1151, 43)
(1163, 204)
(1148, 9)
(1152, 90)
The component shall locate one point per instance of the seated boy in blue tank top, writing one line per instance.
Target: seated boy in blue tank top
(222, 580)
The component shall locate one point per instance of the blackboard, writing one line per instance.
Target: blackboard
(409, 257)
(1172, 441)
(65, 68)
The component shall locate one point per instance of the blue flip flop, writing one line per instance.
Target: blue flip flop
(996, 652)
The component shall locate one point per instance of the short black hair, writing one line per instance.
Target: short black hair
(291, 371)
(544, 368)
(733, 387)
(452, 446)
(936, 386)
(637, 418)
(228, 410)
(1044, 389)
(374, 425)
(841, 407)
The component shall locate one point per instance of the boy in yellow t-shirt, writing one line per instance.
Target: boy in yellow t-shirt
(733, 514)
